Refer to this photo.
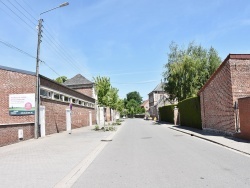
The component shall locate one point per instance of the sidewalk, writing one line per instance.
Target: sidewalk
(53, 161)
(236, 144)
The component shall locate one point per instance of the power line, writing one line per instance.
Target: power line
(22, 13)
(17, 49)
(25, 10)
(49, 39)
(51, 68)
(26, 53)
(18, 16)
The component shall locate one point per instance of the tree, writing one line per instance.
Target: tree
(102, 87)
(61, 79)
(188, 69)
(134, 95)
(111, 98)
(132, 107)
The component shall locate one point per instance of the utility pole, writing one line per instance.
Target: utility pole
(37, 98)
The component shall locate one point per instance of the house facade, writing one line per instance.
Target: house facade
(17, 106)
(219, 96)
(157, 98)
(145, 105)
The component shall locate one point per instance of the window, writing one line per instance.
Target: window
(56, 96)
(66, 99)
(73, 100)
(43, 93)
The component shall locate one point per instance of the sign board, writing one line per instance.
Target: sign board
(21, 104)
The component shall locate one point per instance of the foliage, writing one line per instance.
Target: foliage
(111, 98)
(61, 79)
(108, 95)
(96, 128)
(134, 95)
(132, 104)
(102, 87)
(190, 112)
(188, 69)
(132, 107)
(167, 113)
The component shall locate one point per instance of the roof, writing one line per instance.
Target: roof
(17, 70)
(144, 102)
(77, 80)
(158, 88)
(230, 56)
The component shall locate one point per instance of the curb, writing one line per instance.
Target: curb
(215, 142)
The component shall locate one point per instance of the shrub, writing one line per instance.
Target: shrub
(96, 128)
(190, 112)
(167, 113)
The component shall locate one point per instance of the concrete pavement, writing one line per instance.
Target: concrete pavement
(53, 161)
(239, 145)
(59, 159)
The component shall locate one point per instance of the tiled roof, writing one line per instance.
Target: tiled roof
(159, 87)
(77, 80)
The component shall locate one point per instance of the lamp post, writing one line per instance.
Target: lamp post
(37, 95)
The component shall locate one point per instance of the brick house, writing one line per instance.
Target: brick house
(157, 98)
(81, 84)
(145, 105)
(54, 103)
(219, 96)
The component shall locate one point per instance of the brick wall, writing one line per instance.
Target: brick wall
(53, 85)
(240, 73)
(21, 82)
(218, 96)
(55, 116)
(244, 111)
(9, 133)
(55, 111)
(217, 102)
(86, 91)
(14, 83)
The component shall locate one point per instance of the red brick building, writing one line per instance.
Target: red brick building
(54, 101)
(219, 96)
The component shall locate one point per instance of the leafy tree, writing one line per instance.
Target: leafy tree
(111, 98)
(61, 79)
(188, 69)
(102, 87)
(119, 105)
(132, 107)
(134, 95)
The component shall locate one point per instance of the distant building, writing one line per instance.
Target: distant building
(157, 98)
(82, 85)
(145, 105)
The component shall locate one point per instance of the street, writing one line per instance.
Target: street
(143, 154)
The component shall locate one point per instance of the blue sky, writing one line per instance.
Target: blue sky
(127, 41)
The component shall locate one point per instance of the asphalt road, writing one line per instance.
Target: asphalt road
(146, 155)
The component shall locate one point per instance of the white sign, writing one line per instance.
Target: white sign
(22, 104)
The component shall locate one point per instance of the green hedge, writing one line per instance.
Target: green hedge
(167, 113)
(190, 112)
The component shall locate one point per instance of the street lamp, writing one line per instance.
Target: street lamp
(37, 98)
